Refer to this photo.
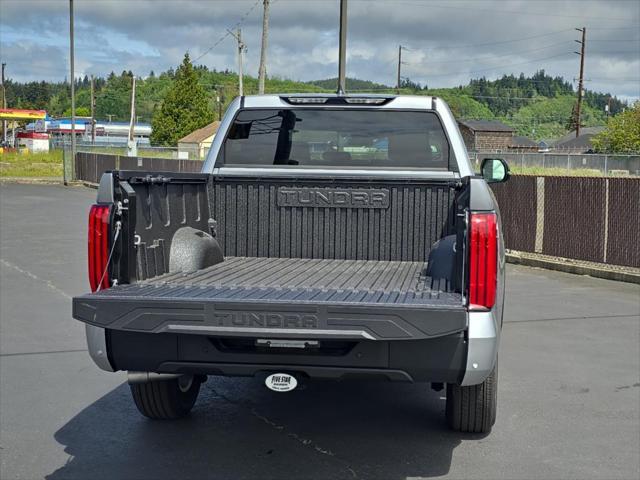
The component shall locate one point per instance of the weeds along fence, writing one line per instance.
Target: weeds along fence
(583, 218)
(614, 165)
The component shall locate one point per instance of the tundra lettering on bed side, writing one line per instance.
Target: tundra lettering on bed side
(333, 197)
(266, 319)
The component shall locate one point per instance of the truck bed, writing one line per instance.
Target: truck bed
(284, 298)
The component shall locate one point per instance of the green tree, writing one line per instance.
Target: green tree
(58, 103)
(114, 100)
(622, 134)
(462, 105)
(80, 112)
(184, 109)
(549, 118)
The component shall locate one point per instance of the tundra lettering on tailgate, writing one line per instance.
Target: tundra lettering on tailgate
(266, 319)
(333, 197)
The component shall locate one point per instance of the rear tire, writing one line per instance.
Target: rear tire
(472, 409)
(166, 399)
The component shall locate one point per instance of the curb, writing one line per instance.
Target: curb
(619, 274)
(32, 180)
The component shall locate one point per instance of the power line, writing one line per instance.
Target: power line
(609, 52)
(499, 66)
(635, 27)
(548, 34)
(508, 98)
(489, 57)
(223, 37)
(619, 40)
(624, 79)
(515, 12)
(213, 46)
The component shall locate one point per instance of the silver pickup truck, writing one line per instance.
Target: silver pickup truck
(328, 236)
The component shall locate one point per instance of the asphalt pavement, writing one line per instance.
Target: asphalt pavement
(568, 403)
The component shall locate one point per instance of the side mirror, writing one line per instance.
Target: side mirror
(495, 170)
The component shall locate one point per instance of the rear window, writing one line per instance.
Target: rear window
(336, 138)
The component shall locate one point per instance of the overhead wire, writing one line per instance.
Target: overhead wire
(501, 42)
(489, 57)
(228, 33)
(500, 66)
(514, 12)
(616, 40)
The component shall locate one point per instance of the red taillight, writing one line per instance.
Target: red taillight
(98, 246)
(483, 260)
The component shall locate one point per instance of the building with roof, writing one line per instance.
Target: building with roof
(33, 141)
(582, 144)
(524, 144)
(485, 135)
(198, 142)
(107, 133)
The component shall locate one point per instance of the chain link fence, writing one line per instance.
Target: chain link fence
(585, 163)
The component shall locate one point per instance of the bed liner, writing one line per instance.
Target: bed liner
(283, 298)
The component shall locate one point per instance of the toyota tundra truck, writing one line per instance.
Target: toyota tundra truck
(326, 237)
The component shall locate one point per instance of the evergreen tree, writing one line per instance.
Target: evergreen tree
(572, 123)
(184, 109)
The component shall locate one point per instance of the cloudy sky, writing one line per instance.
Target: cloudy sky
(448, 41)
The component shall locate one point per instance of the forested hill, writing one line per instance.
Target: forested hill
(539, 106)
(352, 84)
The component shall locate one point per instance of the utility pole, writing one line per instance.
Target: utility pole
(262, 71)
(4, 105)
(399, 66)
(400, 63)
(132, 150)
(220, 100)
(241, 49)
(73, 94)
(342, 51)
(581, 79)
(93, 113)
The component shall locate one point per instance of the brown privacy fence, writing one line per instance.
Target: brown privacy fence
(90, 166)
(583, 218)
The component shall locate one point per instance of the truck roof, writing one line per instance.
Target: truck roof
(381, 99)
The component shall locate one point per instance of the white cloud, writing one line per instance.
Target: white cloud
(447, 38)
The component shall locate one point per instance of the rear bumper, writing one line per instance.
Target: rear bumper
(441, 359)
(466, 357)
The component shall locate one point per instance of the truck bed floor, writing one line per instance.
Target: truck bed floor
(300, 279)
(283, 298)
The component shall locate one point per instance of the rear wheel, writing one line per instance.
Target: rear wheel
(166, 399)
(472, 409)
